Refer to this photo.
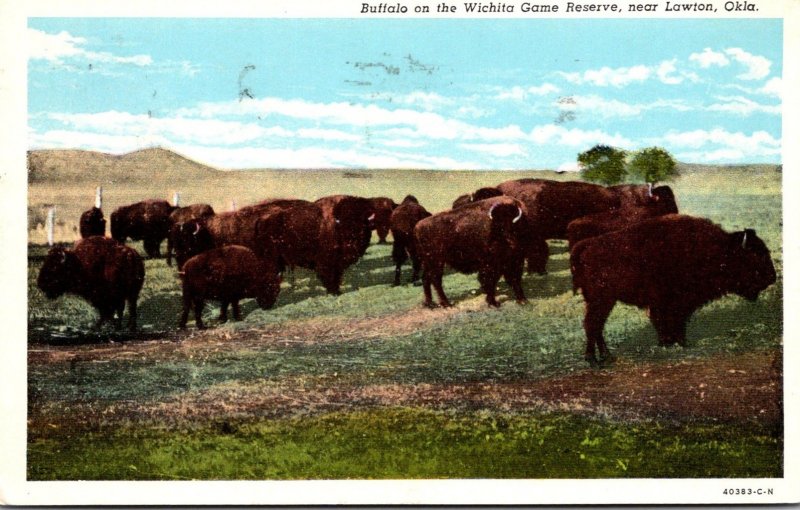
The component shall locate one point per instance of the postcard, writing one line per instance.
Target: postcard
(412, 252)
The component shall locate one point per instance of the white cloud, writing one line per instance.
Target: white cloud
(721, 145)
(554, 134)
(609, 108)
(57, 47)
(708, 58)
(606, 76)
(773, 87)
(740, 105)
(518, 93)
(667, 71)
(757, 66)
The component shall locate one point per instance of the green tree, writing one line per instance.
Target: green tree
(603, 164)
(653, 165)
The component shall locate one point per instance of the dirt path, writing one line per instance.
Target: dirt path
(743, 388)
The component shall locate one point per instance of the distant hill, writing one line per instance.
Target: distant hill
(146, 165)
(756, 168)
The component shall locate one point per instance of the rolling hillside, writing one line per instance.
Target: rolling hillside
(146, 165)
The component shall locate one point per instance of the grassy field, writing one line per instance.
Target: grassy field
(370, 384)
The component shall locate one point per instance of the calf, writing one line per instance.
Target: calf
(100, 270)
(402, 222)
(485, 236)
(227, 274)
(670, 266)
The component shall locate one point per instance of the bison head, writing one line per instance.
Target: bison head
(59, 272)
(354, 217)
(749, 264)
(410, 199)
(92, 223)
(266, 285)
(663, 199)
(189, 239)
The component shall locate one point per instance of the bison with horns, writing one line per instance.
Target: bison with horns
(100, 270)
(402, 222)
(327, 236)
(382, 207)
(488, 236)
(147, 220)
(227, 274)
(670, 266)
(180, 216)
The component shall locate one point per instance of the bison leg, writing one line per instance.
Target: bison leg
(131, 313)
(488, 281)
(596, 315)
(415, 265)
(399, 256)
(382, 233)
(513, 277)
(237, 312)
(223, 311)
(198, 313)
(152, 247)
(670, 325)
(432, 275)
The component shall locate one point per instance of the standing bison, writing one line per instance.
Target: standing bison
(92, 223)
(660, 203)
(402, 222)
(100, 270)
(670, 266)
(383, 207)
(180, 216)
(485, 236)
(227, 274)
(147, 220)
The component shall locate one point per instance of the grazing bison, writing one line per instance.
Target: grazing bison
(383, 208)
(484, 236)
(100, 270)
(148, 221)
(402, 222)
(479, 194)
(227, 274)
(670, 266)
(92, 223)
(180, 216)
(661, 202)
(234, 227)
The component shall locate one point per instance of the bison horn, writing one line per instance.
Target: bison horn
(519, 215)
(490, 211)
(371, 217)
(196, 230)
(744, 239)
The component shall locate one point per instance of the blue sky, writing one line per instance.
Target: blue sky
(412, 93)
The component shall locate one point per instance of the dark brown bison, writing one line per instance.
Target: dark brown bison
(147, 220)
(100, 270)
(484, 236)
(235, 227)
(640, 194)
(660, 203)
(479, 194)
(227, 274)
(402, 222)
(670, 266)
(180, 216)
(92, 223)
(383, 208)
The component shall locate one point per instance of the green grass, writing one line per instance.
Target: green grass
(474, 343)
(410, 443)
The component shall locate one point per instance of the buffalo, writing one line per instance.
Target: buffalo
(147, 220)
(660, 203)
(227, 274)
(641, 194)
(100, 270)
(485, 236)
(235, 227)
(402, 222)
(383, 207)
(180, 216)
(92, 223)
(479, 194)
(670, 266)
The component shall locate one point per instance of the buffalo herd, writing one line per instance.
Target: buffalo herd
(627, 243)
